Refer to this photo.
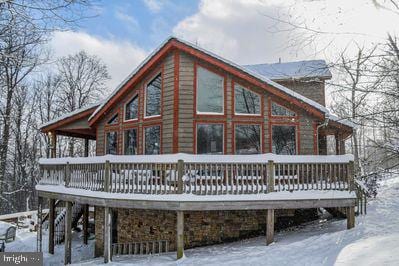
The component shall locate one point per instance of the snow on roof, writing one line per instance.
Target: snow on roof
(67, 115)
(343, 121)
(293, 70)
(241, 68)
(201, 158)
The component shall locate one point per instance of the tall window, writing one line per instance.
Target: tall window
(114, 120)
(130, 142)
(278, 110)
(245, 101)
(153, 97)
(152, 140)
(131, 108)
(209, 92)
(284, 140)
(111, 143)
(210, 139)
(247, 139)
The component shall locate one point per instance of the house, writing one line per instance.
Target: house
(198, 108)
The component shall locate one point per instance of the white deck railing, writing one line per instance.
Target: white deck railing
(200, 174)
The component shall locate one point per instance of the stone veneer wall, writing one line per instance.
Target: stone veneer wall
(200, 227)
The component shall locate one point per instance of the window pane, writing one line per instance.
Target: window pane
(209, 92)
(152, 140)
(210, 139)
(153, 97)
(131, 108)
(111, 143)
(245, 101)
(113, 120)
(284, 140)
(279, 110)
(130, 142)
(247, 138)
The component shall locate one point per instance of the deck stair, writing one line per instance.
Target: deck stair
(77, 212)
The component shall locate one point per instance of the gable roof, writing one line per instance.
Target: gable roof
(293, 70)
(229, 66)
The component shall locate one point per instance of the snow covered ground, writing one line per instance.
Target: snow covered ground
(374, 241)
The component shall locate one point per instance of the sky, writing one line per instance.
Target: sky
(124, 32)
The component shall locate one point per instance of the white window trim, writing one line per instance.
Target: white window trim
(160, 137)
(138, 107)
(296, 136)
(123, 139)
(196, 136)
(145, 96)
(234, 101)
(260, 135)
(196, 94)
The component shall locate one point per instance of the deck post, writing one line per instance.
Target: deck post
(350, 217)
(68, 233)
(86, 148)
(270, 176)
(180, 234)
(85, 223)
(180, 172)
(351, 176)
(270, 226)
(53, 144)
(107, 176)
(107, 234)
(51, 226)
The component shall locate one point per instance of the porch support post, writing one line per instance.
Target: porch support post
(180, 234)
(107, 235)
(68, 233)
(350, 217)
(51, 226)
(85, 223)
(337, 144)
(86, 148)
(270, 226)
(53, 144)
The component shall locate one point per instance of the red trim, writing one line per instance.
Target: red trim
(233, 133)
(245, 116)
(224, 76)
(175, 148)
(152, 124)
(204, 121)
(284, 123)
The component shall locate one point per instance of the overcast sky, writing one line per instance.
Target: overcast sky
(245, 31)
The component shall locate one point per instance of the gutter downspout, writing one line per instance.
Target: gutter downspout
(324, 124)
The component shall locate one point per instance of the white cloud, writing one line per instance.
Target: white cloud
(132, 23)
(154, 5)
(121, 57)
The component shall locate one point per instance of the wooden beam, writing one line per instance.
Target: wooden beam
(350, 217)
(51, 226)
(85, 224)
(107, 234)
(53, 144)
(180, 234)
(270, 227)
(68, 233)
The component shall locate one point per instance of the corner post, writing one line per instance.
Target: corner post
(107, 176)
(270, 226)
(350, 217)
(180, 234)
(351, 176)
(270, 176)
(180, 171)
(85, 224)
(107, 234)
(68, 233)
(53, 144)
(51, 223)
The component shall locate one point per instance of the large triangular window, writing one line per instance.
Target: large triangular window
(279, 110)
(114, 120)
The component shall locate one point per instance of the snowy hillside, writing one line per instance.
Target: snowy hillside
(374, 241)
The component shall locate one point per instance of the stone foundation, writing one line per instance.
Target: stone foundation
(200, 227)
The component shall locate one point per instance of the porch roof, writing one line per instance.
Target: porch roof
(73, 124)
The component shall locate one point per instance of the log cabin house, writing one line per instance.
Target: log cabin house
(192, 150)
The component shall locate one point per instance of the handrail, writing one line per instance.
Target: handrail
(226, 174)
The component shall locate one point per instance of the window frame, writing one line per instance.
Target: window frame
(106, 141)
(233, 88)
(207, 122)
(160, 136)
(114, 115)
(297, 134)
(224, 91)
(271, 101)
(248, 123)
(137, 139)
(145, 85)
(136, 94)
